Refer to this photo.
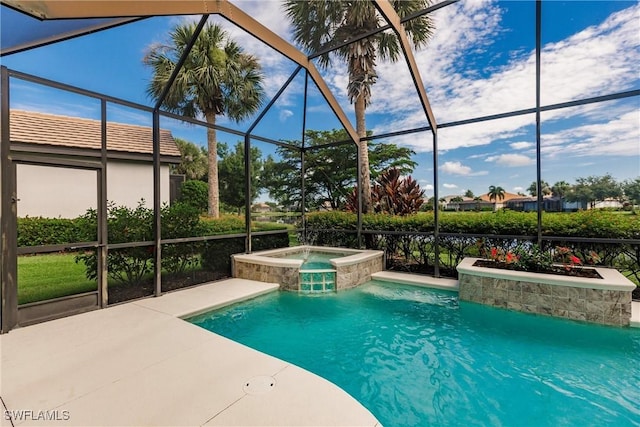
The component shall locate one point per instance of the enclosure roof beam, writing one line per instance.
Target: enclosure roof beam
(386, 9)
(79, 9)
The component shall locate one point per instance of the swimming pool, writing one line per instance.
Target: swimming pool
(416, 356)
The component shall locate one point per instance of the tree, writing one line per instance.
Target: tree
(560, 189)
(581, 192)
(469, 194)
(495, 194)
(319, 24)
(330, 172)
(632, 190)
(456, 200)
(231, 173)
(217, 78)
(194, 163)
(606, 187)
(594, 188)
(195, 193)
(533, 188)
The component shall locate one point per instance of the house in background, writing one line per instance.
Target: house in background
(261, 208)
(66, 192)
(549, 204)
(484, 202)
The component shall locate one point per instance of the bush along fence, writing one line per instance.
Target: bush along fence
(194, 249)
(408, 241)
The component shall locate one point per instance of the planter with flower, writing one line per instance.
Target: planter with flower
(554, 283)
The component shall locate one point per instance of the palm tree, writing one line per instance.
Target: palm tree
(560, 189)
(217, 78)
(321, 24)
(495, 194)
(533, 188)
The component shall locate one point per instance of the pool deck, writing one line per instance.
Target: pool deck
(139, 364)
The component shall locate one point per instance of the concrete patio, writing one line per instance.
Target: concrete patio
(139, 364)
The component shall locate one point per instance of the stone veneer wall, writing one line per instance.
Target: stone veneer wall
(348, 276)
(608, 307)
(287, 277)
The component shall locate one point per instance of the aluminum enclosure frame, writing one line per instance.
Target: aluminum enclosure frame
(135, 10)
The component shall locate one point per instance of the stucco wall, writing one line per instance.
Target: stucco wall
(66, 193)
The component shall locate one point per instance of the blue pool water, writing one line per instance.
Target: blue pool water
(417, 357)
(315, 260)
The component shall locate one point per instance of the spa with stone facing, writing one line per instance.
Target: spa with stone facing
(352, 267)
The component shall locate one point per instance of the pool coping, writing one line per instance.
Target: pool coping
(417, 280)
(139, 363)
(266, 257)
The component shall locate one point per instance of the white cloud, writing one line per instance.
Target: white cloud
(425, 184)
(521, 145)
(619, 136)
(511, 160)
(285, 114)
(457, 168)
(518, 189)
(599, 59)
(449, 186)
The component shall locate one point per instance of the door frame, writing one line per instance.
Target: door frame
(25, 314)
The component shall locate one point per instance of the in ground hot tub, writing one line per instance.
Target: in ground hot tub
(326, 270)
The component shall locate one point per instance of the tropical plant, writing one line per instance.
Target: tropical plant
(392, 194)
(469, 194)
(321, 24)
(495, 194)
(217, 78)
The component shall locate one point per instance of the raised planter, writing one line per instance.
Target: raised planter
(606, 301)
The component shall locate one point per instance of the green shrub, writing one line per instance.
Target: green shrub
(127, 266)
(38, 231)
(180, 220)
(195, 193)
(226, 224)
(216, 255)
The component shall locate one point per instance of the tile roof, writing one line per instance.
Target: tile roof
(74, 132)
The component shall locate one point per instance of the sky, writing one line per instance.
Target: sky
(480, 61)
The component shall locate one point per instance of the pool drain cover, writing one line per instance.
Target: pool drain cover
(259, 385)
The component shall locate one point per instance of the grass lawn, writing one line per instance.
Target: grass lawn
(42, 277)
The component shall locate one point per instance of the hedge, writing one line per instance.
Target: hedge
(591, 224)
(178, 221)
(38, 231)
(417, 253)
